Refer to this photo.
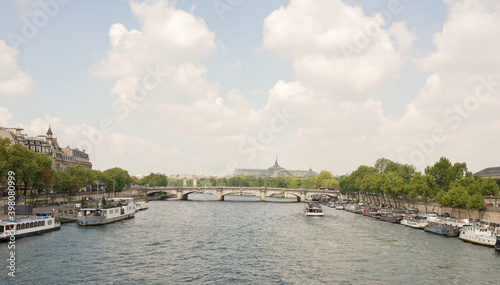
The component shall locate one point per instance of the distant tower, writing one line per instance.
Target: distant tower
(49, 133)
(195, 181)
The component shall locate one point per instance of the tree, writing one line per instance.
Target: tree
(445, 173)
(422, 186)
(4, 157)
(116, 178)
(476, 202)
(63, 180)
(392, 186)
(459, 196)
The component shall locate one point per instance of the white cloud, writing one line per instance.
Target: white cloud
(334, 45)
(5, 117)
(468, 41)
(404, 38)
(168, 36)
(456, 112)
(13, 80)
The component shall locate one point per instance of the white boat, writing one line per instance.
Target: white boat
(414, 223)
(313, 209)
(339, 207)
(141, 205)
(456, 222)
(20, 227)
(479, 234)
(115, 209)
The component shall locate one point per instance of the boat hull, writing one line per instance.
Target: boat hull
(444, 231)
(96, 221)
(29, 226)
(314, 214)
(414, 224)
(478, 235)
(395, 220)
(39, 232)
(487, 241)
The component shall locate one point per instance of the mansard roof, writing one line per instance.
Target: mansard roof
(489, 172)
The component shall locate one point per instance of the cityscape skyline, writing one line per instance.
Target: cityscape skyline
(170, 86)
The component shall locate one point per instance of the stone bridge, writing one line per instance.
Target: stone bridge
(262, 192)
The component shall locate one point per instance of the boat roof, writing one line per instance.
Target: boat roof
(26, 219)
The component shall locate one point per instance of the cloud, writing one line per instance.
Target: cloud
(5, 117)
(468, 41)
(13, 80)
(334, 45)
(113, 149)
(456, 111)
(168, 36)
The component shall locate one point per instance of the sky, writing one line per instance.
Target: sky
(208, 86)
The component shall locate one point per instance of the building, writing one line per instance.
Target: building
(491, 172)
(61, 157)
(274, 171)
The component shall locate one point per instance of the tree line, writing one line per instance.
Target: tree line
(34, 171)
(393, 184)
(387, 182)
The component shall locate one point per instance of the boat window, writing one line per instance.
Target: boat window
(1, 229)
(43, 223)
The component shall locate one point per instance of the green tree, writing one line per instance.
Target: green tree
(422, 186)
(445, 173)
(392, 186)
(323, 175)
(459, 196)
(476, 202)
(4, 157)
(116, 178)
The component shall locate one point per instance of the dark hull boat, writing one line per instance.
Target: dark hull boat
(442, 229)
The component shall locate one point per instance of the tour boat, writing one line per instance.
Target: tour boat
(313, 209)
(115, 209)
(141, 205)
(440, 228)
(20, 227)
(479, 234)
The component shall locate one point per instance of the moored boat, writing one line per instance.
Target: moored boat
(414, 222)
(440, 228)
(390, 217)
(497, 244)
(339, 206)
(479, 234)
(21, 227)
(115, 209)
(313, 209)
(141, 205)
(371, 212)
(458, 223)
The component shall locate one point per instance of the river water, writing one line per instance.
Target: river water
(243, 241)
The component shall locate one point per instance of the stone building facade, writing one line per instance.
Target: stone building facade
(48, 144)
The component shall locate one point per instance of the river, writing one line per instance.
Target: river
(243, 241)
